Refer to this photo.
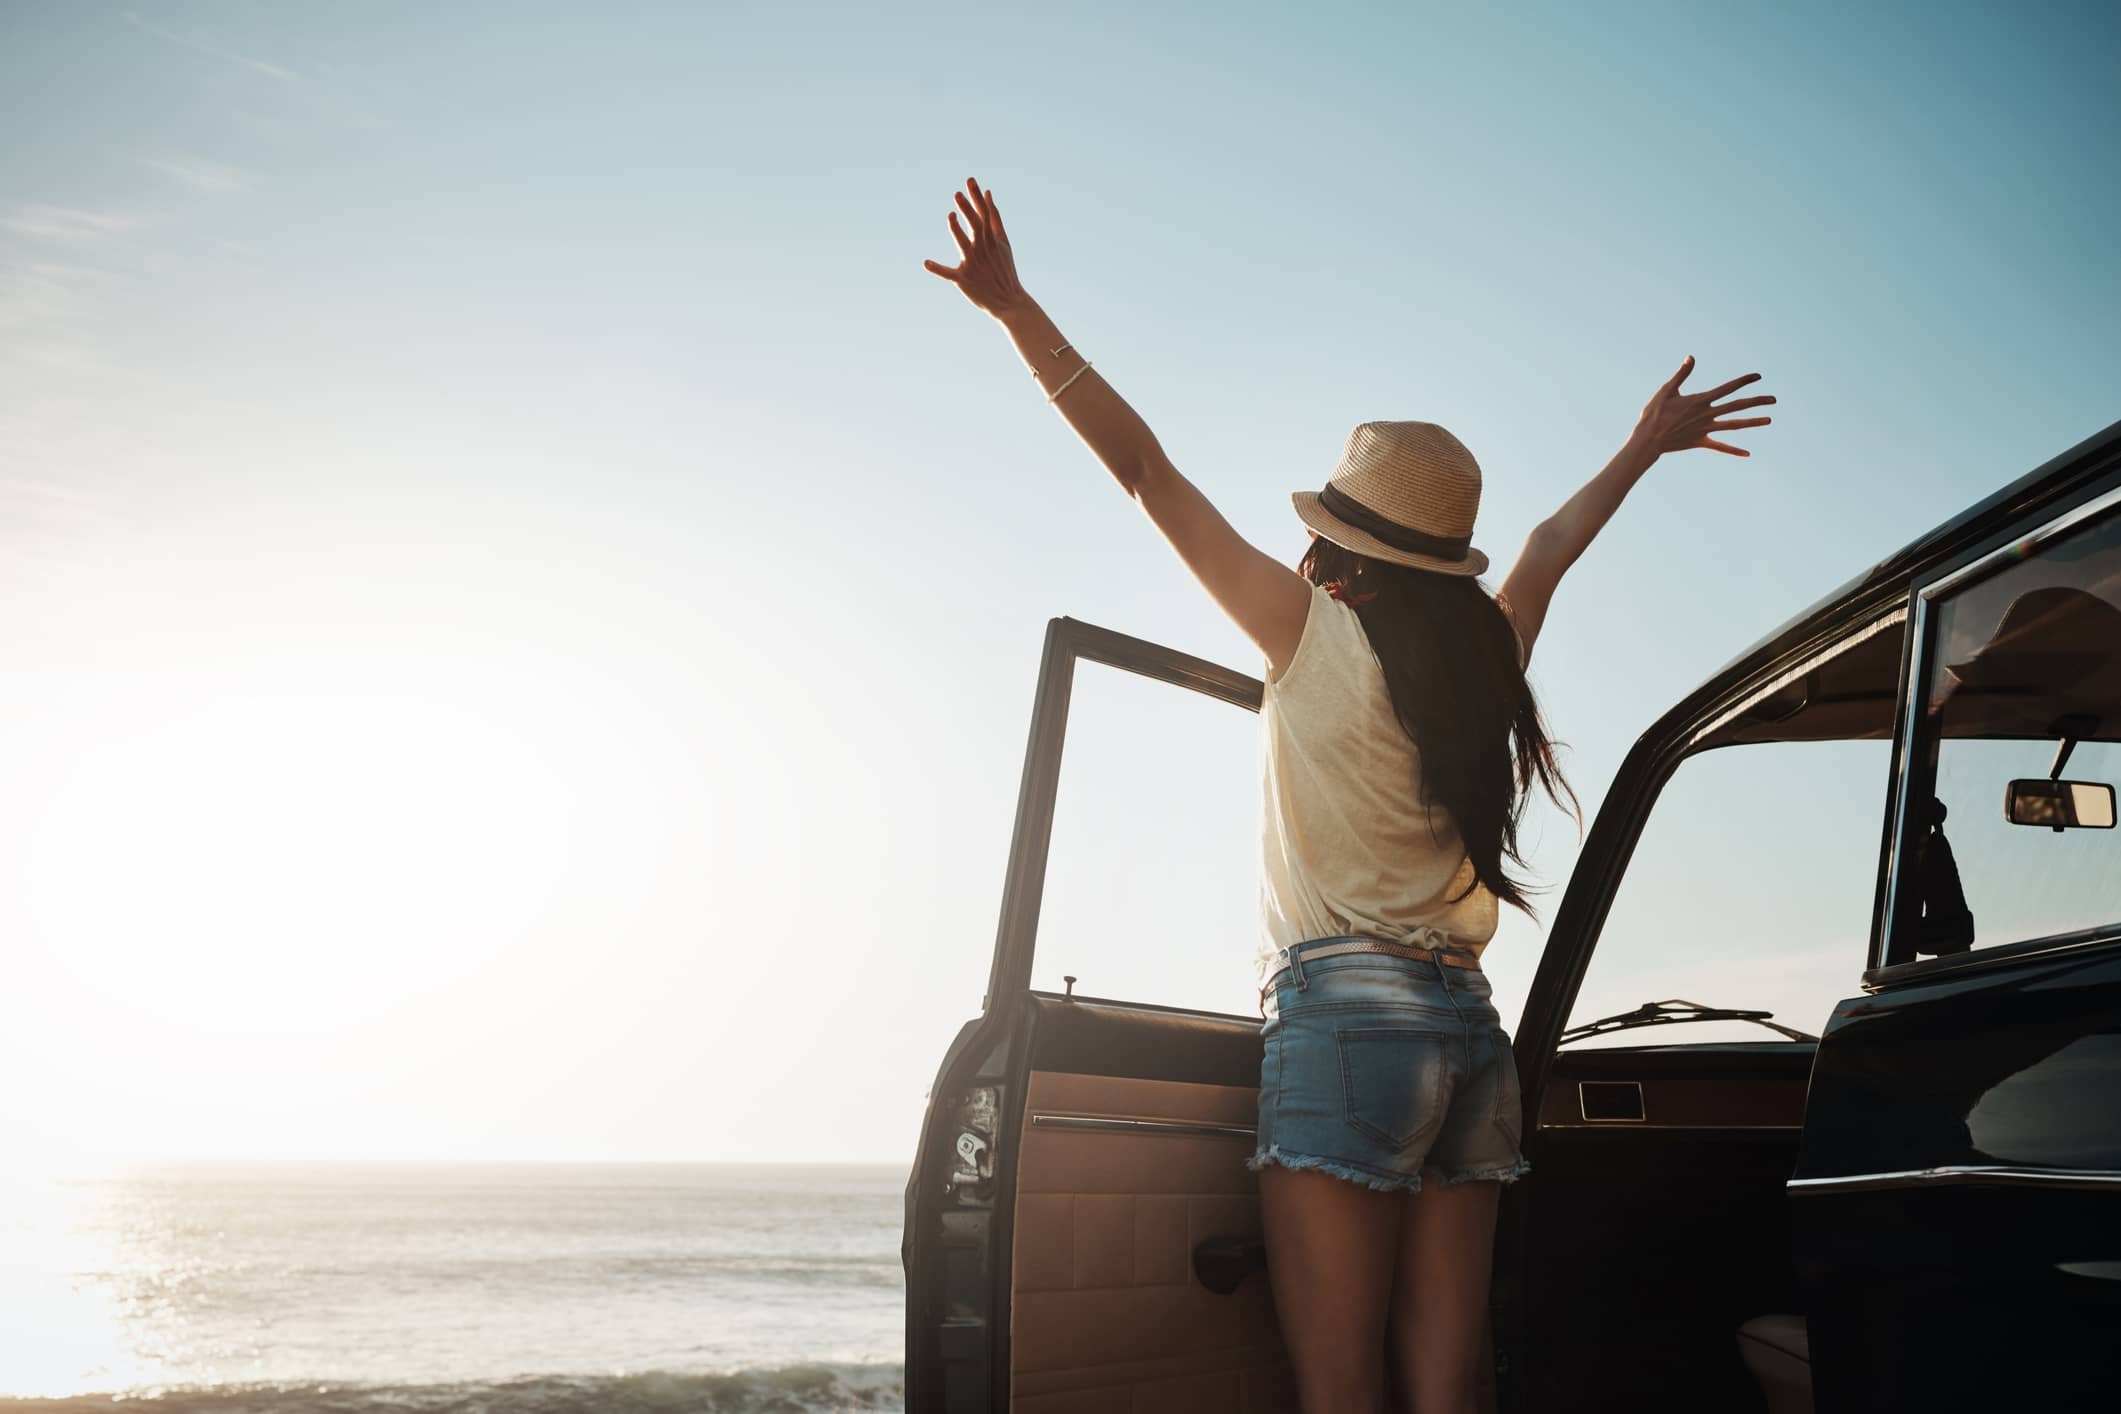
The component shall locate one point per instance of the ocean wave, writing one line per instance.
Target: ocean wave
(785, 1389)
(865, 1269)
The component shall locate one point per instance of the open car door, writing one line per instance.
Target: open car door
(1081, 1232)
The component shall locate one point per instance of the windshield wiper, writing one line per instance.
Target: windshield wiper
(1667, 1013)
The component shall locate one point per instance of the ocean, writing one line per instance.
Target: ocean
(453, 1288)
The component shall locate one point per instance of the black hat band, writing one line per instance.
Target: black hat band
(1389, 532)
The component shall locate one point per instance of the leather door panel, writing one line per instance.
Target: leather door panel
(1105, 1312)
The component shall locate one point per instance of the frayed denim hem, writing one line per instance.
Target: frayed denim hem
(1275, 1154)
(1498, 1173)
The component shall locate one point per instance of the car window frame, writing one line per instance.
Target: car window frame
(1909, 753)
(1601, 872)
(1069, 641)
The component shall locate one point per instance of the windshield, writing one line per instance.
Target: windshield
(1750, 889)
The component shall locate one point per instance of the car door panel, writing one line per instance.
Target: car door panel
(1118, 1179)
(1099, 1036)
(1953, 1199)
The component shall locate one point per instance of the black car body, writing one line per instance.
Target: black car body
(1923, 1201)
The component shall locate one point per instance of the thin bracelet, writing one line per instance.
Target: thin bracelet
(1056, 353)
(1069, 379)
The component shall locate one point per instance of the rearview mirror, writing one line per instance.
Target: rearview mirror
(2060, 805)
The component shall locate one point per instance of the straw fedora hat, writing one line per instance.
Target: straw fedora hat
(1404, 492)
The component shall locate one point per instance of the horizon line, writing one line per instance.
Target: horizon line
(105, 1161)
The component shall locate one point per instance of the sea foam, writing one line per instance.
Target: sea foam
(783, 1389)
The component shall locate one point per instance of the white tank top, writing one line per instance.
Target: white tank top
(1348, 845)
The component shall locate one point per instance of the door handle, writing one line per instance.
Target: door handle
(1222, 1263)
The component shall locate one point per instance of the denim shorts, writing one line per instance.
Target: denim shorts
(1382, 1069)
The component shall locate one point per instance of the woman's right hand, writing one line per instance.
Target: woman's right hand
(987, 274)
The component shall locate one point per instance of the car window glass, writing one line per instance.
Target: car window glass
(1750, 888)
(2023, 661)
(1152, 886)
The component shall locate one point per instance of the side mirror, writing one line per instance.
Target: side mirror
(2060, 805)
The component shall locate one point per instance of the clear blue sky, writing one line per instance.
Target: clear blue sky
(519, 597)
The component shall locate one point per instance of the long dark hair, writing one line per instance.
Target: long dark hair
(1450, 663)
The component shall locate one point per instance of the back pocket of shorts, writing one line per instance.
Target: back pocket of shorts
(1392, 1082)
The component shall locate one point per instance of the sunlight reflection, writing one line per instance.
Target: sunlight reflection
(71, 1327)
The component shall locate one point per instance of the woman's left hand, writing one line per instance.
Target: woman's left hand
(1674, 421)
(987, 274)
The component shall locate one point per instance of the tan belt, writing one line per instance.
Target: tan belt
(1452, 958)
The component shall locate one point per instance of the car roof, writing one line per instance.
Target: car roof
(2097, 456)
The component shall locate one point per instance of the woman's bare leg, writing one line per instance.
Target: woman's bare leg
(1330, 1247)
(1439, 1312)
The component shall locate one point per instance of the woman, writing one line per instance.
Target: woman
(1400, 742)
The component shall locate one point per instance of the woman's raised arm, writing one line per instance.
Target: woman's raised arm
(1266, 599)
(1671, 421)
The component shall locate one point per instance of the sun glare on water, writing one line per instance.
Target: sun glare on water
(71, 1329)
